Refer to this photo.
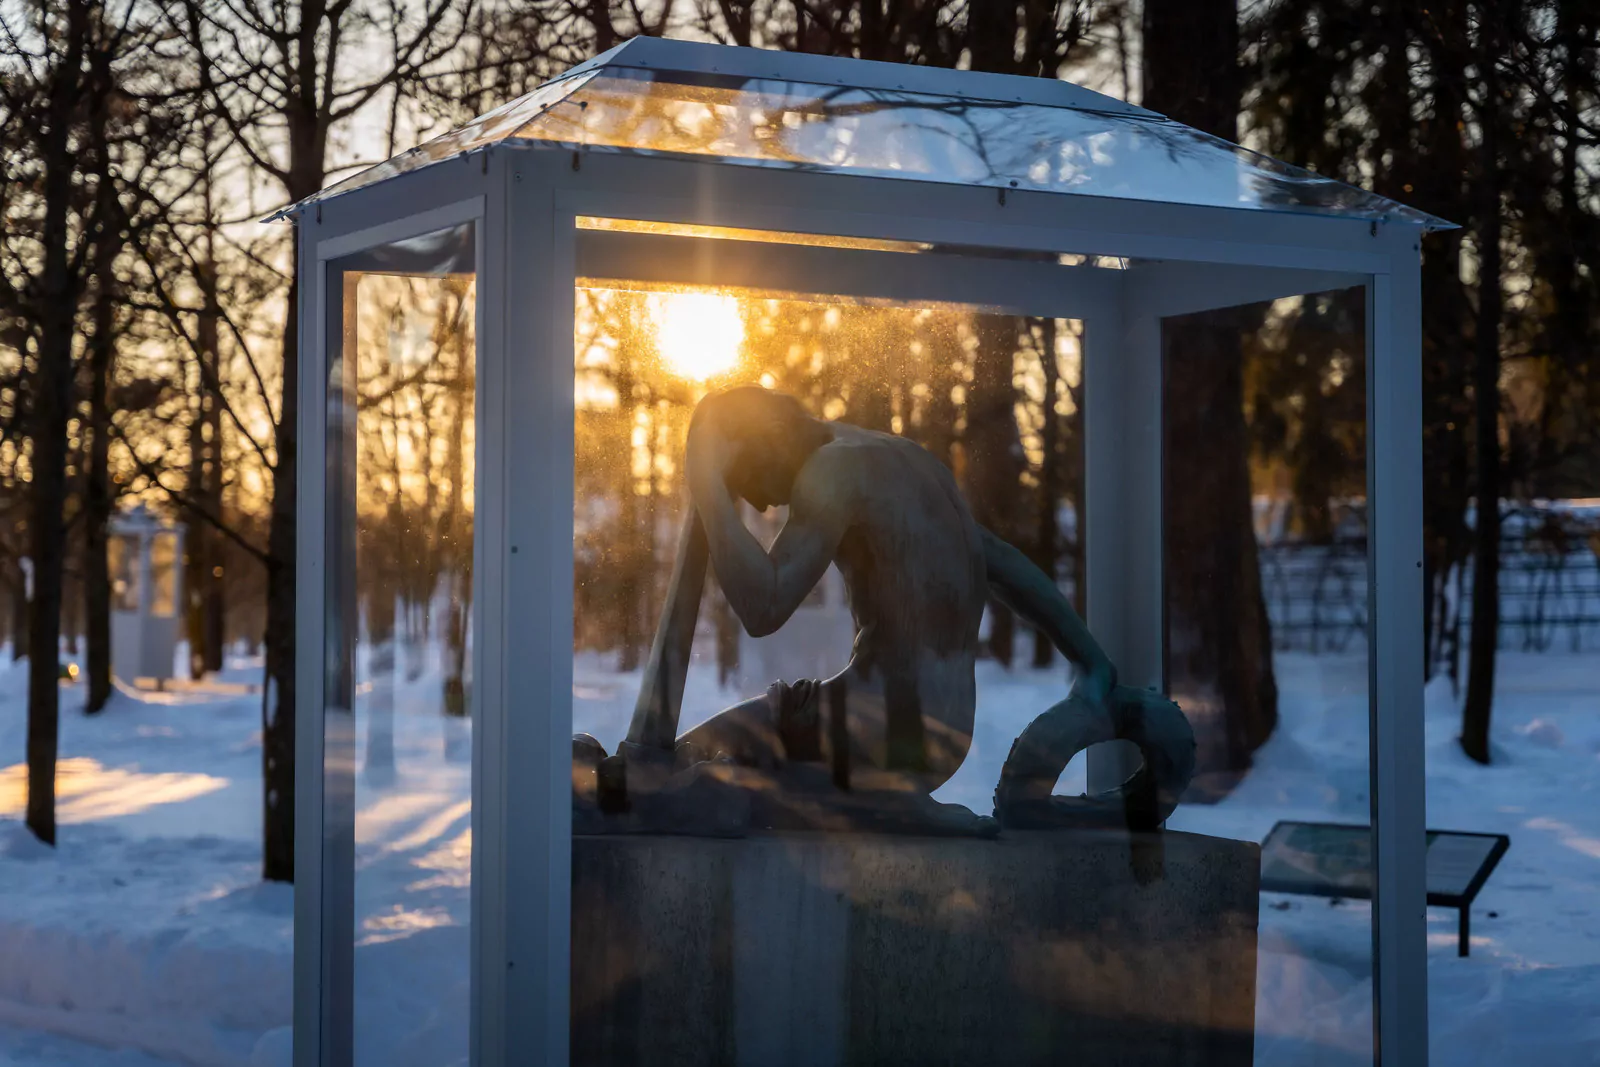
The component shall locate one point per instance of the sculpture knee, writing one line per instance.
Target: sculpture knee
(1154, 724)
(746, 733)
(1043, 750)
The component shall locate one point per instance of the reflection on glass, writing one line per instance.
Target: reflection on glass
(896, 133)
(645, 358)
(839, 916)
(733, 233)
(1264, 505)
(123, 562)
(163, 575)
(402, 437)
(492, 126)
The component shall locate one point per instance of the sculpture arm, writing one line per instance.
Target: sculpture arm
(765, 589)
(1028, 591)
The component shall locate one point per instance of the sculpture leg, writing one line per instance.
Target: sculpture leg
(794, 757)
(785, 726)
(1024, 800)
(746, 733)
(655, 714)
(644, 761)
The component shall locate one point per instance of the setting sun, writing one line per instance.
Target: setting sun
(698, 334)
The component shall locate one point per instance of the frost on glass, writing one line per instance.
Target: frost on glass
(401, 444)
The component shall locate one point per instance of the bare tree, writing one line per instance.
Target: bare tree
(1220, 648)
(75, 148)
(1492, 22)
(281, 78)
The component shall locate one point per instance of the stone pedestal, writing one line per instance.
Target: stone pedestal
(1086, 947)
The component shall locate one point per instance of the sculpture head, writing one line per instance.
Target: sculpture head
(771, 436)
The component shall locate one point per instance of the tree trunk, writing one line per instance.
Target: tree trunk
(993, 454)
(937, 432)
(629, 632)
(1219, 646)
(729, 634)
(98, 496)
(1047, 531)
(1485, 634)
(379, 764)
(206, 614)
(194, 533)
(51, 394)
(460, 555)
(20, 610)
(1446, 318)
(278, 695)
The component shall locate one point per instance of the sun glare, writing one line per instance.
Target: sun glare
(698, 334)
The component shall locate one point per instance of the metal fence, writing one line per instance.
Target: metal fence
(1316, 595)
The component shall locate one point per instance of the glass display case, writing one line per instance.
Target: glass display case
(922, 664)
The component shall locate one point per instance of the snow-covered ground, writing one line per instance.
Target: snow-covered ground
(149, 931)
(32, 1048)
(1526, 994)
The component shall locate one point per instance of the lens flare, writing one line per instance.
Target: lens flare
(698, 334)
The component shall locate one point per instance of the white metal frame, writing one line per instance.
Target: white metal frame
(324, 813)
(529, 256)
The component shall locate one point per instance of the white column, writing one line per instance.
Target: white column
(531, 460)
(487, 704)
(1122, 490)
(1395, 592)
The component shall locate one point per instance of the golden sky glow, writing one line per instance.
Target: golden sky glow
(698, 334)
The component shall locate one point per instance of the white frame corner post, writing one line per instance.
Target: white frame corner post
(324, 881)
(528, 1023)
(1396, 600)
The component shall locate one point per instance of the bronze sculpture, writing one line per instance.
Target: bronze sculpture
(864, 749)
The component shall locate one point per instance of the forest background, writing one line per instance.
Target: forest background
(148, 330)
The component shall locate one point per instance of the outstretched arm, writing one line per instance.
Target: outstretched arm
(1028, 591)
(764, 589)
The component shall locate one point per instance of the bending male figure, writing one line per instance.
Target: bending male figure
(918, 570)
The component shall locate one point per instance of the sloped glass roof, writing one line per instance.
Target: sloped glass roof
(799, 112)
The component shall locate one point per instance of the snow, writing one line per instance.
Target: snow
(148, 931)
(31, 1048)
(1526, 993)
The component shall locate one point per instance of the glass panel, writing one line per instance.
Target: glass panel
(1524, 824)
(784, 843)
(163, 575)
(1265, 575)
(486, 129)
(123, 561)
(402, 434)
(902, 134)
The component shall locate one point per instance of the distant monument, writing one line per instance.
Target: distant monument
(862, 750)
(145, 557)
